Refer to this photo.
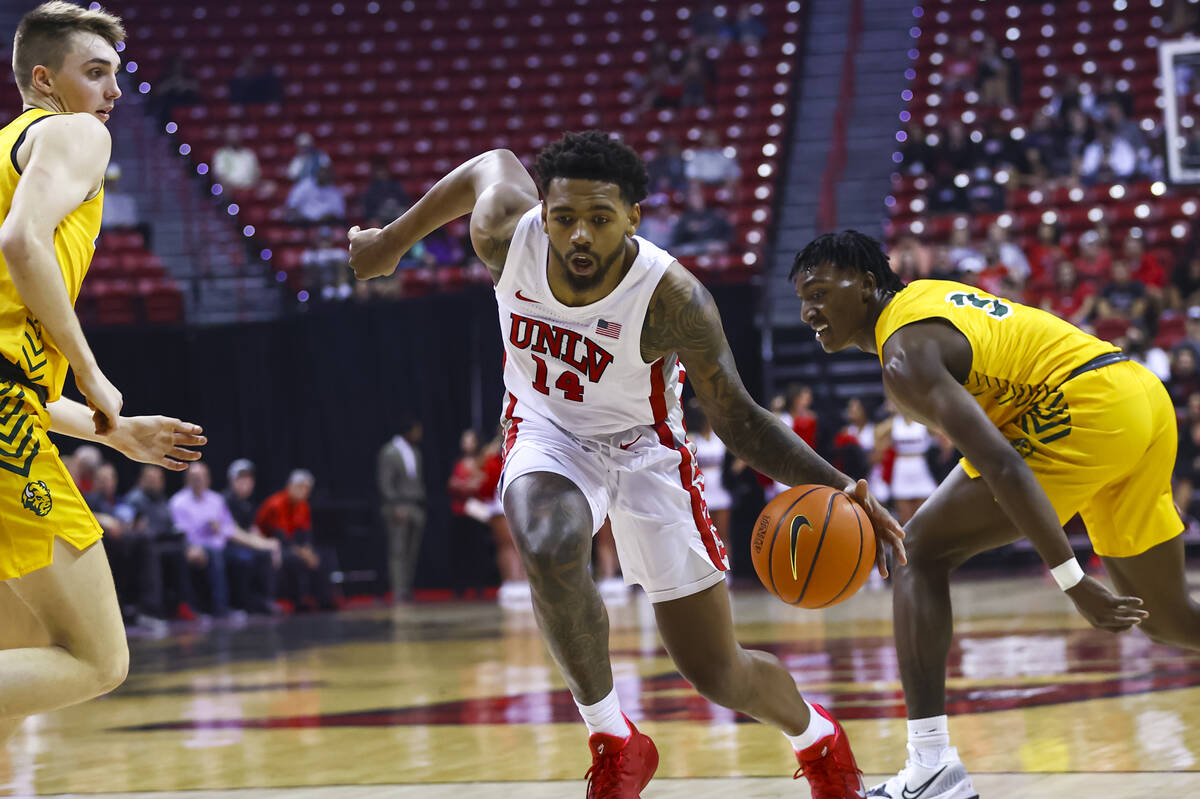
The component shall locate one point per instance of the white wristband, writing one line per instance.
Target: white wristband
(1067, 574)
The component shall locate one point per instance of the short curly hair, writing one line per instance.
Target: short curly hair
(848, 249)
(593, 155)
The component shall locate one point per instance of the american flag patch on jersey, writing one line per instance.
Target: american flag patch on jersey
(607, 328)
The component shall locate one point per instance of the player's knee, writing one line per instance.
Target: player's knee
(923, 551)
(112, 668)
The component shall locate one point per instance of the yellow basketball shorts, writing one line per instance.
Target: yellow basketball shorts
(38, 499)
(1103, 446)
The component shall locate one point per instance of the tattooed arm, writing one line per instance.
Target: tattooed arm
(494, 188)
(683, 319)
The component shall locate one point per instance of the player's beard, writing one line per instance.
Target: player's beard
(582, 283)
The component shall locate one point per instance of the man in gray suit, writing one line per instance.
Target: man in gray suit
(402, 489)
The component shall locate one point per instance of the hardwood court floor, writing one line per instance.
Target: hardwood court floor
(460, 700)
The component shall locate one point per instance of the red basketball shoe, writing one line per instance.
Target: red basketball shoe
(829, 765)
(620, 768)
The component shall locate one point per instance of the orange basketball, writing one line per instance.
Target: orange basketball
(813, 546)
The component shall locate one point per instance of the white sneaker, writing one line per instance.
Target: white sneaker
(515, 595)
(613, 591)
(946, 780)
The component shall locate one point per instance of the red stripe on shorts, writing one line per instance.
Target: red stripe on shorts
(689, 470)
(510, 437)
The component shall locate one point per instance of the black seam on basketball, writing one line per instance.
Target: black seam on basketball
(817, 552)
(774, 535)
(861, 545)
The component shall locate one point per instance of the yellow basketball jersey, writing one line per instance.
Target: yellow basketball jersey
(1020, 355)
(23, 343)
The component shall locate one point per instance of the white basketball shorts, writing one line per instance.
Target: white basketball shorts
(644, 480)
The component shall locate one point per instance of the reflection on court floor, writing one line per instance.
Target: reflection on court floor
(416, 700)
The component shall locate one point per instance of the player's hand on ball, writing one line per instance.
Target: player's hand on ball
(159, 440)
(887, 530)
(370, 255)
(1103, 609)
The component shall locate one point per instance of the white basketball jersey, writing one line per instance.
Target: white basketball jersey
(581, 368)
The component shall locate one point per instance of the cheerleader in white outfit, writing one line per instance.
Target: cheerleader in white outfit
(912, 482)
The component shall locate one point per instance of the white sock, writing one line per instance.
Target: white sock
(818, 728)
(929, 738)
(605, 716)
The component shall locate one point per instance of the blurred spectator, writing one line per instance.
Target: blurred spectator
(999, 151)
(1070, 298)
(120, 207)
(705, 25)
(1185, 284)
(127, 554)
(911, 482)
(1044, 256)
(1099, 105)
(997, 75)
(254, 83)
(84, 462)
(326, 265)
(666, 171)
(1094, 261)
(1066, 97)
(385, 198)
(166, 569)
(258, 557)
(1145, 352)
(961, 66)
(1145, 265)
(658, 221)
(442, 248)
(514, 584)
(849, 456)
(747, 27)
(957, 150)
(942, 457)
(1010, 255)
(235, 166)
(1185, 380)
(710, 163)
(910, 259)
(965, 256)
(1079, 134)
(317, 199)
(1122, 297)
(694, 84)
(286, 517)
(201, 515)
(173, 88)
(402, 491)
(469, 516)
(1109, 158)
(308, 161)
(710, 456)
(700, 229)
(803, 419)
(1045, 150)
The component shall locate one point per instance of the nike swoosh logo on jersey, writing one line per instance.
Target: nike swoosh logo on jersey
(907, 794)
(631, 443)
(526, 299)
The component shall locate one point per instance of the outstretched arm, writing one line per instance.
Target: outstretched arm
(494, 188)
(683, 318)
(917, 378)
(159, 440)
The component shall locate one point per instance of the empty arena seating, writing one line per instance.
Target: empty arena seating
(428, 84)
(127, 283)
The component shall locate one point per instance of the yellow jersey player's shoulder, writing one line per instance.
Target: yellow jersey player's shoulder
(81, 138)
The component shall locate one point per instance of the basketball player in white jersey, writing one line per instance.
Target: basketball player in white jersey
(596, 323)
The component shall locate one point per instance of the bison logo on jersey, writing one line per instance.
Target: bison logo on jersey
(36, 497)
(575, 350)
